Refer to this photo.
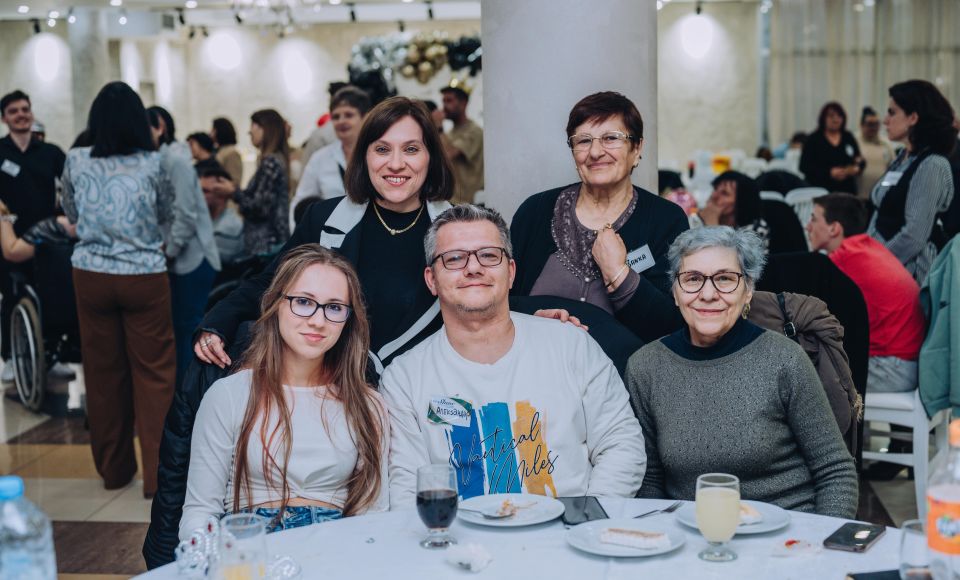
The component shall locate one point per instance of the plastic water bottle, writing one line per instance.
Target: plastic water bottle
(26, 537)
(943, 512)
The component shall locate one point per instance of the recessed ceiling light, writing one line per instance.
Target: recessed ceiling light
(53, 14)
(190, 3)
(334, 2)
(52, 22)
(407, 1)
(116, 2)
(122, 20)
(23, 9)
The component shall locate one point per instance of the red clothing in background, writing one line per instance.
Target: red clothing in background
(897, 326)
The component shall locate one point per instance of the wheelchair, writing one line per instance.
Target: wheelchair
(43, 325)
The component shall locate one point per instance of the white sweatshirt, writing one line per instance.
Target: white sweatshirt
(551, 417)
(322, 452)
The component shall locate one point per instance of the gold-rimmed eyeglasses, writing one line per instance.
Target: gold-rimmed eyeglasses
(610, 140)
(693, 281)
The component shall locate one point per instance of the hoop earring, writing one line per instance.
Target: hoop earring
(746, 311)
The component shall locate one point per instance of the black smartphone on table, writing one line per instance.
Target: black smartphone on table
(854, 537)
(580, 509)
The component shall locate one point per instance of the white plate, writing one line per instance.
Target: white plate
(586, 537)
(534, 509)
(774, 517)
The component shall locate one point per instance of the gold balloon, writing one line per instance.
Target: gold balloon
(425, 67)
(408, 71)
(413, 54)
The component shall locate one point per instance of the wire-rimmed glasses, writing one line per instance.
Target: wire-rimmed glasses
(457, 259)
(692, 282)
(610, 140)
(306, 307)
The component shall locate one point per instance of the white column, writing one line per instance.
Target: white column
(539, 58)
(90, 61)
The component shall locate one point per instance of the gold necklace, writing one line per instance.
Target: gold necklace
(392, 231)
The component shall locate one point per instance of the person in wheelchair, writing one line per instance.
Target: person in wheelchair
(322, 456)
(53, 230)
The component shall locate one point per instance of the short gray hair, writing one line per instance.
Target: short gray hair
(466, 213)
(749, 247)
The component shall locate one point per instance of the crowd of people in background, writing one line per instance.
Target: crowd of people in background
(364, 258)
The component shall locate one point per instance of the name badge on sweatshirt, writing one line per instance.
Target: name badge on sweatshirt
(449, 411)
(849, 150)
(10, 168)
(641, 259)
(891, 178)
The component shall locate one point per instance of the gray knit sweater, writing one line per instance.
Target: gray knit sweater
(759, 413)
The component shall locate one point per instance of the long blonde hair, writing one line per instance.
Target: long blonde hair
(343, 369)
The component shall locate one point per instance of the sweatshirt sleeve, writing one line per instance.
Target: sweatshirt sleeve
(211, 455)
(614, 439)
(408, 449)
(186, 189)
(638, 387)
(818, 437)
(382, 503)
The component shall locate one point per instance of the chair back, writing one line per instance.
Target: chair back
(772, 195)
(753, 167)
(801, 200)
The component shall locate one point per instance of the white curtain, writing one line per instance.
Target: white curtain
(850, 51)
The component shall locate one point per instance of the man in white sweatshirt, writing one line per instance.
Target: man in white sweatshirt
(515, 403)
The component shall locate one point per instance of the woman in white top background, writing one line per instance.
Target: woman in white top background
(297, 435)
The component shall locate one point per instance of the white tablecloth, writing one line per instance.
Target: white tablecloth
(385, 546)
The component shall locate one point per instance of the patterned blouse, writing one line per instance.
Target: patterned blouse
(264, 205)
(118, 204)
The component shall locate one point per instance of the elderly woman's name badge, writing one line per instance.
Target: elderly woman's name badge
(849, 150)
(449, 411)
(641, 259)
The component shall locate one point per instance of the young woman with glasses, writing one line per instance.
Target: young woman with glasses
(601, 240)
(723, 395)
(297, 434)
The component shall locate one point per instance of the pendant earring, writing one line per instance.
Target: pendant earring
(746, 311)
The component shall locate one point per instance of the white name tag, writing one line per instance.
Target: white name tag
(641, 259)
(891, 178)
(449, 411)
(849, 150)
(10, 168)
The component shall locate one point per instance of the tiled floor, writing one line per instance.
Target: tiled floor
(53, 456)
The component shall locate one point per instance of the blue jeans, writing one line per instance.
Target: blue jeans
(188, 296)
(890, 374)
(295, 516)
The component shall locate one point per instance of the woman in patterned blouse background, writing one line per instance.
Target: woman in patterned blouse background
(264, 203)
(118, 195)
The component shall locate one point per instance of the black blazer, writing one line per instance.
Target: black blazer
(651, 313)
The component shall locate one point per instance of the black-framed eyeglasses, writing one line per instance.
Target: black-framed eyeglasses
(693, 281)
(457, 259)
(610, 140)
(306, 307)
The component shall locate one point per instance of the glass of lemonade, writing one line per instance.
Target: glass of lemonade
(243, 547)
(718, 514)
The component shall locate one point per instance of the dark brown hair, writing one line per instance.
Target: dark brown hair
(274, 140)
(599, 107)
(343, 369)
(824, 110)
(846, 209)
(934, 128)
(439, 182)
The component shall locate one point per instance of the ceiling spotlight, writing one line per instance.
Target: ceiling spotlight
(71, 17)
(116, 2)
(699, 7)
(190, 4)
(400, 24)
(36, 26)
(353, 11)
(23, 8)
(193, 32)
(334, 2)
(407, 1)
(238, 17)
(123, 18)
(180, 17)
(429, 9)
(205, 32)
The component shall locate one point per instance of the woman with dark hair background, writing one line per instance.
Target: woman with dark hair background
(119, 196)
(831, 157)
(225, 138)
(735, 202)
(919, 183)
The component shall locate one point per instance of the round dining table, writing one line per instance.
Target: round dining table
(385, 545)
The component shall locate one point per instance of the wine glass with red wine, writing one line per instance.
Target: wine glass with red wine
(437, 503)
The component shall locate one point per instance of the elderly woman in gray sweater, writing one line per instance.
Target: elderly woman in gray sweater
(723, 395)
